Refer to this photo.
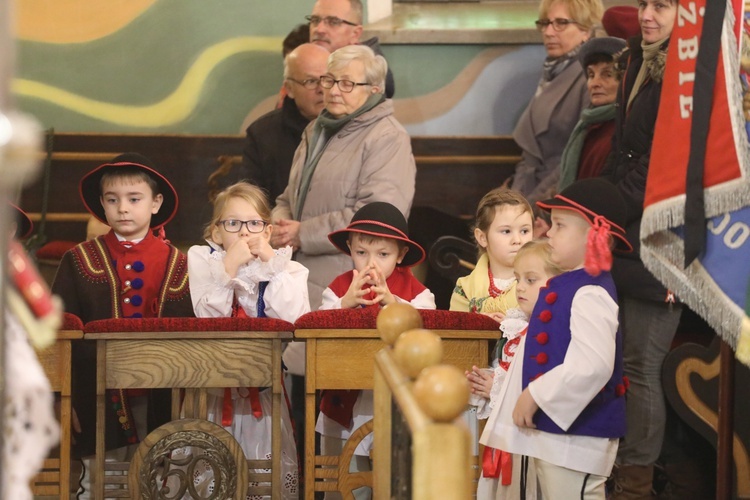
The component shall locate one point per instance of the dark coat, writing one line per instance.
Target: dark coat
(88, 281)
(543, 131)
(270, 144)
(627, 167)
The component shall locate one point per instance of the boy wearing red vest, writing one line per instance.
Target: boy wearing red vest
(378, 241)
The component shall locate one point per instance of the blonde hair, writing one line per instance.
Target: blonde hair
(541, 249)
(587, 13)
(375, 65)
(244, 190)
(498, 197)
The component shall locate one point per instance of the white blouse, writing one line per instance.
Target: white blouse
(213, 291)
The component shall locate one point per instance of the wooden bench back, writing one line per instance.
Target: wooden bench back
(453, 173)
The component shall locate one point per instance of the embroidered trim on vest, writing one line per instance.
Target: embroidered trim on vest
(175, 284)
(94, 261)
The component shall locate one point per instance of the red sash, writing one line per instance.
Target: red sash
(497, 463)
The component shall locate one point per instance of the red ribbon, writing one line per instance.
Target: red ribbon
(227, 410)
(497, 463)
(598, 254)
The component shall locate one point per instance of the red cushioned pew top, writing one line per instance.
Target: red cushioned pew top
(71, 322)
(365, 318)
(189, 325)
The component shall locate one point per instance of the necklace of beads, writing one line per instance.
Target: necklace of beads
(493, 290)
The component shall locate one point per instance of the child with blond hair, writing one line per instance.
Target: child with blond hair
(533, 267)
(238, 274)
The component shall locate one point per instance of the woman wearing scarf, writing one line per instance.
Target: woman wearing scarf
(354, 153)
(648, 317)
(591, 140)
(546, 124)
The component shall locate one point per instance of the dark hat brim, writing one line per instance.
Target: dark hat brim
(25, 226)
(561, 203)
(607, 45)
(414, 256)
(90, 190)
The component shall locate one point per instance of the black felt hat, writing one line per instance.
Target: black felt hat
(605, 45)
(594, 199)
(24, 224)
(90, 187)
(381, 220)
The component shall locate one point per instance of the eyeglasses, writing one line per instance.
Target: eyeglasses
(309, 84)
(331, 21)
(235, 226)
(558, 24)
(347, 86)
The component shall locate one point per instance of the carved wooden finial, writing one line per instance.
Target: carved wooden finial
(395, 319)
(442, 392)
(417, 349)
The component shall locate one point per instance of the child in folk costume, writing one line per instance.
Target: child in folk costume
(500, 470)
(504, 223)
(238, 274)
(562, 404)
(377, 240)
(126, 273)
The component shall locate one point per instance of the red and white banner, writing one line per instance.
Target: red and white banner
(698, 181)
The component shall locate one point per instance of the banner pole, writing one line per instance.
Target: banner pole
(725, 431)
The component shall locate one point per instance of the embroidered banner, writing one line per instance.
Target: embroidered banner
(695, 232)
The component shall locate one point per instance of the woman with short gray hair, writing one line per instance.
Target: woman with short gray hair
(354, 153)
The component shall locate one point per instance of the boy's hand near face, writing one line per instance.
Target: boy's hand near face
(383, 295)
(238, 254)
(355, 295)
(526, 407)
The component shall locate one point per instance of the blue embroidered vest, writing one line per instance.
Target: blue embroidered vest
(547, 343)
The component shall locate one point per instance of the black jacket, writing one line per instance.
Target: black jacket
(270, 144)
(627, 166)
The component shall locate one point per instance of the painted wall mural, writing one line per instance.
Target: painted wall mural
(211, 67)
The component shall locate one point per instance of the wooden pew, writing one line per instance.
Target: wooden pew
(340, 349)
(189, 353)
(54, 479)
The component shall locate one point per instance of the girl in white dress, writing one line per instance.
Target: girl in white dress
(238, 274)
(500, 470)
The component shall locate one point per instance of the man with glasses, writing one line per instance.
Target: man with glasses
(338, 23)
(272, 139)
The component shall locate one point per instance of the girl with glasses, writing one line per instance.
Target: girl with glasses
(238, 274)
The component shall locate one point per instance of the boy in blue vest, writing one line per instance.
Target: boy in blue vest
(563, 403)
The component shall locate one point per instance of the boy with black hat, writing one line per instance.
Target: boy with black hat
(378, 242)
(126, 273)
(563, 402)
